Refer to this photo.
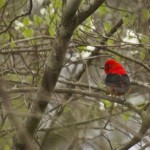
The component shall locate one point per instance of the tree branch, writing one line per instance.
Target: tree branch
(112, 31)
(86, 12)
(71, 6)
(145, 126)
(54, 64)
(21, 134)
(85, 93)
(103, 41)
(17, 17)
(141, 84)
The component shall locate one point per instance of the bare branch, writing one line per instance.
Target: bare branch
(91, 8)
(21, 134)
(85, 93)
(142, 84)
(103, 41)
(76, 123)
(112, 31)
(17, 17)
(145, 126)
(53, 65)
(71, 6)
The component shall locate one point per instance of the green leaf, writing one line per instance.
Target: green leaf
(107, 26)
(144, 39)
(129, 20)
(67, 109)
(117, 58)
(132, 19)
(12, 44)
(126, 20)
(94, 110)
(146, 14)
(81, 48)
(5, 38)
(26, 21)
(2, 3)
(6, 147)
(142, 54)
(37, 19)
(28, 33)
(58, 4)
(110, 42)
(102, 10)
(51, 31)
(126, 116)
(108, 104)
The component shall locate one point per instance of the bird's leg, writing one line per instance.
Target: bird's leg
(124, 101)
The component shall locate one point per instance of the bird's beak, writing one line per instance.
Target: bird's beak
(102, 67)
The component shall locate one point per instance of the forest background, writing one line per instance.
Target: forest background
(52, 93)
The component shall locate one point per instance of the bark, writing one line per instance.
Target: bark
(53, 66)
(70, 20)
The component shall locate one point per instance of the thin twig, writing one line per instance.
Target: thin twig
(17, 17)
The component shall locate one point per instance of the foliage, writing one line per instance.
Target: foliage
(82, 116)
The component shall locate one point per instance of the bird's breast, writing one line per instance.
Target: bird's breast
(117, 84)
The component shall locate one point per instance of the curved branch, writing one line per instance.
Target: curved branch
(17, 17)
(86, 12)
(85, 93)
(145, 126)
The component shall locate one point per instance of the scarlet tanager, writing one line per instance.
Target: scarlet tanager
(117, 80)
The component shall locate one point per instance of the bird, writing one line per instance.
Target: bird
(117, 80)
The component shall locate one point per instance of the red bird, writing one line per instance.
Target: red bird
(117, 79)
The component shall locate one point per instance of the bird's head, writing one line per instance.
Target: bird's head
(114, 67)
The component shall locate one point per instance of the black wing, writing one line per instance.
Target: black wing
(120, 83)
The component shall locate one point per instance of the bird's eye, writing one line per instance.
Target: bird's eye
(107, 66)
